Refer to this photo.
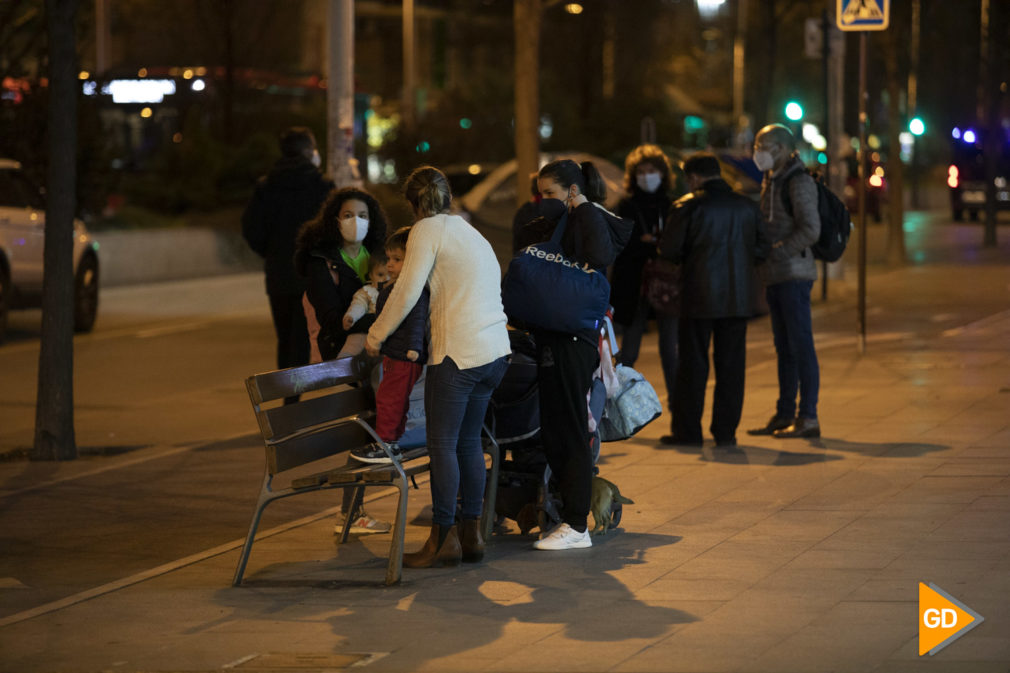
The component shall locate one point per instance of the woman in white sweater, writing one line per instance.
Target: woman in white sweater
(468, 356)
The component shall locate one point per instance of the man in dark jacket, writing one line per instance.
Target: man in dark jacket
(718, 236)
(290, 195)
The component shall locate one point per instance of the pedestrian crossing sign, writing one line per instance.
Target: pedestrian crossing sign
(856, 15)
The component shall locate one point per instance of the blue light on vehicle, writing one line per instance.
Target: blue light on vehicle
(969, 137)
(956, 133)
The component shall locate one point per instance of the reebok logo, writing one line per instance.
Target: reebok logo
(942, 619)
(557, 258)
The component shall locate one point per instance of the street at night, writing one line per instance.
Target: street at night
(667, 336)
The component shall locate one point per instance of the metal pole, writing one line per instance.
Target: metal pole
(861, 318)
(340, 161)
(409, 102)
(825, 56)
(913, 96)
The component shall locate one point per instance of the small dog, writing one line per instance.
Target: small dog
(605, 494)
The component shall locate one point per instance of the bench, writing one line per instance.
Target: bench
(303, 441)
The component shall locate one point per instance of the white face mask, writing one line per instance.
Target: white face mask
(354, 229)
(764, 160)
(316, 159)
(649, 182)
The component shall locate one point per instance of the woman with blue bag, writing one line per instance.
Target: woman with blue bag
(592, 237)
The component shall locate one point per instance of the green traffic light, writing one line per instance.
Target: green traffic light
(917, 126)
(794, 111)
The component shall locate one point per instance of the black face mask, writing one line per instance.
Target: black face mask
(553, 209)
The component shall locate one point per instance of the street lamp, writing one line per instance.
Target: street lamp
(709, 8)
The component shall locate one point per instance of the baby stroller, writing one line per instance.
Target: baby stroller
(524, 479)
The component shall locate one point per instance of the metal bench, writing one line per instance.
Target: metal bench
(336, 418)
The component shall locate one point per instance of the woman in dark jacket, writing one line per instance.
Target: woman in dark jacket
(648, 181)
(332, 254)
(566, 362)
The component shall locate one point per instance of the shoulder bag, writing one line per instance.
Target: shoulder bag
(544, 289)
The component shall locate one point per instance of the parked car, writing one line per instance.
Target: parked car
(22, 239)
(966, 176)
(492, 201)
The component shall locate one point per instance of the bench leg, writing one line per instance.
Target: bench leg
(261, 503)
(356, 501)
(395, 568)
(491, 487)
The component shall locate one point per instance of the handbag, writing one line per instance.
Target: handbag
(544, 289)
(633, 407)
(661, 285)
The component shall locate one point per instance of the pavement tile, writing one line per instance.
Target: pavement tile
(880, 628)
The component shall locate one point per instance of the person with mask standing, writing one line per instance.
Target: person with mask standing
(566, 362)
(647, 180)
(788, 275)
(286, 198)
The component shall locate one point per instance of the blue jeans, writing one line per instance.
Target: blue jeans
(789, 304)
(455, 401)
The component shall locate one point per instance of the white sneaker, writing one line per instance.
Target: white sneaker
(363, 524)
(564, 537)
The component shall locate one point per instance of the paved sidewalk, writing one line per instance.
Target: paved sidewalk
(782, 556)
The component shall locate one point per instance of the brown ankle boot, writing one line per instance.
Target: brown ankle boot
(471, 541)
(433, 554)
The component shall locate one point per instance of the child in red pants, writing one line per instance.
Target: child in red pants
(403, 356)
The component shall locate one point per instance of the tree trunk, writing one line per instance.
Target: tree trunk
(895, 167)
(54, 411)
(527, 94)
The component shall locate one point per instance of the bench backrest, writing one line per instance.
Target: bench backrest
(316, 428)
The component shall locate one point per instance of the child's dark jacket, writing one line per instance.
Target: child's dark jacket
(412, 334)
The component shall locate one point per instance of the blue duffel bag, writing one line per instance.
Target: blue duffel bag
(544, 289)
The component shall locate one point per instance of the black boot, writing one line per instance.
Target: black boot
(441, 548)
(471, 541)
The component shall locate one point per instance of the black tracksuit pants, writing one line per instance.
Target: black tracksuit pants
(564, 375)
(728, 337)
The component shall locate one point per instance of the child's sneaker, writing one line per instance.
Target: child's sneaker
(373, 453)
(363, 524)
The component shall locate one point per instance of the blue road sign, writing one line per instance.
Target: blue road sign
(854, 15)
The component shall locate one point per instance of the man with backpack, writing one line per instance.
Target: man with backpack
(789, 203)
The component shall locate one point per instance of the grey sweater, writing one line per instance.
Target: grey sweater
(791, 235)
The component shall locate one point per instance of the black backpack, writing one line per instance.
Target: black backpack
(836, 223)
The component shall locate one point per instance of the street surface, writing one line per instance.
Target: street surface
(171, 466)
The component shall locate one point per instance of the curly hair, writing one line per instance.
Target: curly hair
(647, 154)
(323, 231)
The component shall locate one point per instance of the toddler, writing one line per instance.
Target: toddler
(403, 356)
(364, 299)
(362, 305)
